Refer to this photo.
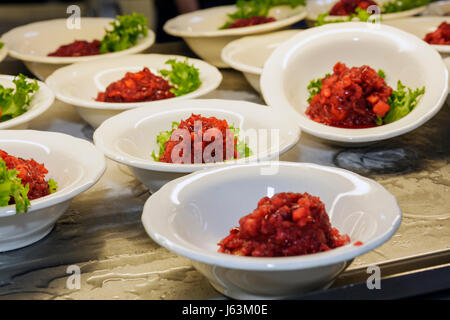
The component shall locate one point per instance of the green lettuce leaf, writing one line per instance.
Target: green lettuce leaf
(402, 101)
(185, 77)
(11, 187)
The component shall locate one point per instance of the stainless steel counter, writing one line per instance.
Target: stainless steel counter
(102, 233)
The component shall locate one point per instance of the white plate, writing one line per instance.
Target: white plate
(41, 101)
(317, 7)
(200, 29)
(248, 54)
(73, 163)
(78, 84)
(3, 52)
(130, 137)
(313, 53)
(32, 42)
(420, 27)
(212, 201)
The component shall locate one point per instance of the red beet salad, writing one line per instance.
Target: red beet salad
(440, 36)
(348, 7)
(31, 173)
(137, 87)
(252, 21)
(78, 48)
(197, 128)
(350, 98)
(288, 224)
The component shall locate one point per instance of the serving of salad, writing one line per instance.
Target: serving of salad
(182, 78)
(253, 12)
(358, 9)
(22, 180)
(15, 101)
(125, 32)
(359, 97)
(199, 139)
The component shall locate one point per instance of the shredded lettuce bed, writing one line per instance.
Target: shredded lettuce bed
(14, 101)
(185, 77)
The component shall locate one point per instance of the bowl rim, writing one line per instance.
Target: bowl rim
(260, 28)
(82, 184)
(31, 113)
(271, 76)
(178, 106)
(244, 44)
(205, 88)
(409, 20)
(142, 44)
(337, 255)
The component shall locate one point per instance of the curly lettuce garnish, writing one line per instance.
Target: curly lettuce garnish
(125, 33)
(257, 8)
(52, 186)
(185, 77)
(11, 187)
(315, 86)
(164, 136)
(361, 15)
(403, 5)
(14, 102)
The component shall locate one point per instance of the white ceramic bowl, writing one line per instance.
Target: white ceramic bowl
(317, 7)
(73, 163)
(438, 8)
(41, 101)
(447, 63)
(130, 137)
(3, 52)
(248, 54)
(212, 201)
(313, 53)
(200, 29)
(420, 27)
(78, 84)
(32, 42)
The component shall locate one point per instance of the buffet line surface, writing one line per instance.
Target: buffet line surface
(102, 232)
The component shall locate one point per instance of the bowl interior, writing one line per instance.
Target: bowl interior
(253, 51)
(41, 38)
(212, 19)
(356, 206)
(61, 167)
(418, 26)
(80, 83)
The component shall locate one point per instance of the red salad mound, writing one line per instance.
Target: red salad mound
(350, 98)
(30, 172)
(347, 7)
(246, 22)
(440, 36)
(78, 48)
(137, 87)
(198, 140)
(288, 224)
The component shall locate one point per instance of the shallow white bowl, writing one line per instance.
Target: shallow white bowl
(248, 54)
(32, 42)
(420, 26)
(3, 52)
(78, 84)
(190, 215)
(73, 163)
(41, 101)
(317, 7)
(130, 137)
(200, 29)
(313, 53)
(438, 8)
